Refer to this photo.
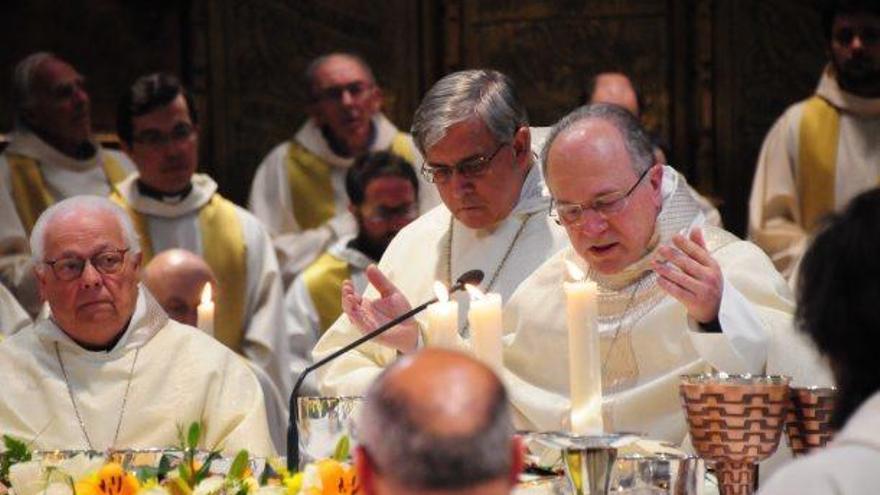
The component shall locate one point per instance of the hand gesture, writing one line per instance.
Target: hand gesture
(368, 315)
(691, 275)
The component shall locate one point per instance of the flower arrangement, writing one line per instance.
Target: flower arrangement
(189, 474)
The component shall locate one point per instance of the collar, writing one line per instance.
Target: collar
(24, 142)
(146, 320)
(202, 189)
(312, 139)
(337, 145)
(845, 102)
(146, 190)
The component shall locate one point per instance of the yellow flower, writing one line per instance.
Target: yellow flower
(111, 480)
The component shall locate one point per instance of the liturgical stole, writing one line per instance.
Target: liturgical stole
(311, 189)
(817, 159)
(29, 191)
(323, 280)
(225, 252)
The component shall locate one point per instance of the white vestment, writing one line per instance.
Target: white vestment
(775, 221)
(176, 225)
(846, 466)
(303, 320)
(12, 316)
(647, 340)
(64, 177)
(181, 375)
(271, 202)
(420, 255)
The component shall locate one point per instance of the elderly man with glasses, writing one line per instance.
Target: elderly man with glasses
(174, 207)
(298, 191)
(474, 134)
(108, 369)
(675, 295)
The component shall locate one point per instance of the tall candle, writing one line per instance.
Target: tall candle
(206, 311)
(583, 354)
(442, 319)
(484, 317)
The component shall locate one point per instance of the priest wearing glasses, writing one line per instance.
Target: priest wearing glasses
(474, 134)
(108, 368)
(675, 295)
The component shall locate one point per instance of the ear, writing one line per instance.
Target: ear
(517, 456)
(365, 473)
(655, 178)
(378, 98)
(522, 146)
(136, 261)
(39, 272)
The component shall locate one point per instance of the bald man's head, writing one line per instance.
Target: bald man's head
(437, 420)
(176, 278)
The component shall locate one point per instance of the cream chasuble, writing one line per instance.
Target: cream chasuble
(420, 254)
(299, 194)
(647, 339)
(181, 375)
(12, 316)
(820, 154)
(314, 302)
(44, 176)
(181, 225)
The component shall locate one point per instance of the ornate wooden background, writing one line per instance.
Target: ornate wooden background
(715, 73)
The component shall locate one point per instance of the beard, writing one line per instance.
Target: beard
(858, 75)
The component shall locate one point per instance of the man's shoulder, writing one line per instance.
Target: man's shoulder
(193, 344)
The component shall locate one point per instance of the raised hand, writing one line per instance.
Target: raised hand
(691, 275)
(368, 315)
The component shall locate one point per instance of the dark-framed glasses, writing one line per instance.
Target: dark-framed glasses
(71, 267)
(356, 90)
(386, 214)
(470, 168)
(154, 138)
(606, 206)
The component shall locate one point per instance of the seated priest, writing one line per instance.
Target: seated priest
(675, 295)
(474, 133)
(437, 422)
(383, 190)
(108, 368)
(52, 155)
(174, 207)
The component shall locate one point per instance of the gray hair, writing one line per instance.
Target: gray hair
(487, 94)
(635, 138)
(22, 83)
(80, 205)
(315, 64)
(425, 460)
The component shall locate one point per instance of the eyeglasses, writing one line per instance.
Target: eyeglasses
(469, 169)
(385, 214)
(71, 268)
(868, 35)
(572, 214)
(356, 90)
(153, 138)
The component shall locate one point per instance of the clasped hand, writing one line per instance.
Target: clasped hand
(368, 315)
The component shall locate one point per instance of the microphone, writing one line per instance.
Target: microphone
(472, 277)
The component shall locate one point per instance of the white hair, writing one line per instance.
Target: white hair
(81, 205)
(23, 81)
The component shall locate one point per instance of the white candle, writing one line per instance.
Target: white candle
(484, 317)
(442, 319)
(583, 354)
(206, 311)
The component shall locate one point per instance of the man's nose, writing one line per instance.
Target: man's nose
(592, 223)
(346, 98)
(90, 277)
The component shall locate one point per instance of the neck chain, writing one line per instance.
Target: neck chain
(500, 264)
(626, 309)
(82, 424)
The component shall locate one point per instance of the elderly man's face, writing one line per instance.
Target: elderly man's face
(165, 146)
(60, 106)
(855, 52)
(345, 100)
(485, 195)
(94, 307)
(589, 163)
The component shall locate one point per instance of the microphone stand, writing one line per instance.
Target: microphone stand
(292, 433)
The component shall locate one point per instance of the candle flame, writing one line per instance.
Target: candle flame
(441, 292)
(206, 293)
(475, 293)
(574, 271)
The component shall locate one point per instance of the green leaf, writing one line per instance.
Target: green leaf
(340, 453)
(195, 433)
(165, 467)
(205, 470)
(239, 465)
(16, 451)
(146, 473)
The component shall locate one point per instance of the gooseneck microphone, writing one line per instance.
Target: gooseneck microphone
(472, 277)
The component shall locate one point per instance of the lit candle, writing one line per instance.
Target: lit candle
(484, 317)
(442, 319)
(206, 311)
(583, 354)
